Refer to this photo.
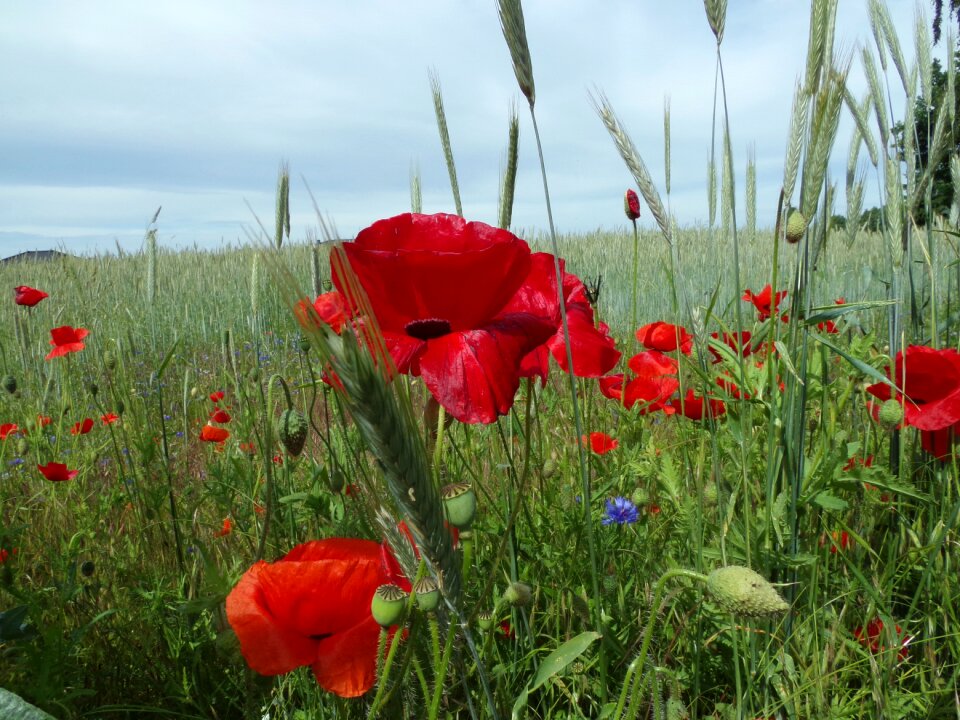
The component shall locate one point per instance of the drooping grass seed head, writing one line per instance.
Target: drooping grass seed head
(743, 591)
(388, 605)
(460, 504)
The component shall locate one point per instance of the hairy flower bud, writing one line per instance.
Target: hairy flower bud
(743, 591)
(890, 414)
(796, 226)
(292, 430)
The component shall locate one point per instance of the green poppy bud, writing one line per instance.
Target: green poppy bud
(303, 343)
(9, 383)
(891, 414)
(110, 360)
(292, 430)
(460, 503)
(640, 496)
(743, 591)
(796, 226)
(388, 604)
(518, 594)
(428, 594)
(710, 494)
(120, 407)
(87, 568)
(93, 388)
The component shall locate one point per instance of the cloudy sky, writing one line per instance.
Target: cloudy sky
(110, 109)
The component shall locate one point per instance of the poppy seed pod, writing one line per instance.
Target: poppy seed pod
(890, 414)
(743, 591)
(518, 594)
(460, 503)
(428, 594)
(292, 430)
(631, 205)
(388, 604)
(9, 383)
(485, 621)
(796, 226)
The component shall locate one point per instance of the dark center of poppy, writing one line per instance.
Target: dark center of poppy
(427, 328)
(321, 636)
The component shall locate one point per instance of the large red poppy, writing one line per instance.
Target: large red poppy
(653, 381)
(82, 427)
(593, 349)
(28, 296)
(665, 337)
(694, 407)
(66, 339)
(764, 301)
(211, 433)
(57, 472)
(439, 286)
(312, 607)
(8, 429)
(600, 443)
(930, 380)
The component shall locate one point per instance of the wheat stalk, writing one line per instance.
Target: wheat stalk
(445, 139)
(924, 45)
(515, 33)
(751, 180)
(416, 192)
(508, 186)
(795, 135)
(716, 16)
(859, 112)
(876, 92)
(666, 145)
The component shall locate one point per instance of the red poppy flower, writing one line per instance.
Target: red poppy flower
(83, 427)
(738, 342)
(330, 308)
(44, 420)
(312, 607)
(871, 636)
(109, 418)
(438, 286)
(209, 433)
(665, 337)
(216, 396)
(8, 429)
(220, 416)
(930, 380)
(631, 205)
(653, 381)
(838, 539)
(28, 296)
(764, 302)
(226, 529)
(57, 472)
(600, 443)
(248, 447)
(66, 339)
(6, 554)
(858, 460)
(693, 406)
(594, 351)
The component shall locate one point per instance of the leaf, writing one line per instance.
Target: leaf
(554, 663)
(856, 362)
(832, 312)
(13, 707)
(830, 502)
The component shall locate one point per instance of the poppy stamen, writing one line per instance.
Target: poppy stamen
(427, 328)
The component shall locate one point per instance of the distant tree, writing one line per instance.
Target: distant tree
(872, 219)
(953, 10)
(922, 127)
(838, 222)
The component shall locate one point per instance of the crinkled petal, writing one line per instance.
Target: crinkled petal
(593, 349)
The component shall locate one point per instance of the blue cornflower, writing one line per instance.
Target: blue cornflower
(620, 511)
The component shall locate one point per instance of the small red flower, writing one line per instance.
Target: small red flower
(216, 396)
(248, 447)
(838, 539)
(109, 418)
(220, 416)
(693, 406)
(66, 339)
(8, 429)
(28, 296)
(858, 460)
(505, 630)
(83, 427)
(631, 205)
(330, 308)
(765, 303)
(209, 433)
(665, 337)
(738, 342)
(226, 529)
(44, 420)
(312, 607)
(57, 472)
(600, 443)
(653, 381)
(7, 554)
(871, 636)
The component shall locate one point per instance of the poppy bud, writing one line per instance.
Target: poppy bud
(194, 391)
(428, 594)
(631, 205)
(891, 414)
(388, 604)
(120, 407)
(518, 594)
(303, 343)
(710, 494)
(9, 383)
(110, 360)
(460, 503)
(640, 497)
(796, 226)
(336, 480)
(743, 591)
(485, 621)
(93, 388)
(292, 429)
(87, 568)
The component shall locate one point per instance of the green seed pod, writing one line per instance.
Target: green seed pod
(796, 226)
(9, 383)
(485, 621)
(303, 343)
(292, 430)
(460, 503)
(743, 591)
(110, 360)
(120, 407)
(640, 497)
(518, 594)
(710, 494)
(428, 594)
(891, 414)
(388, 604)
